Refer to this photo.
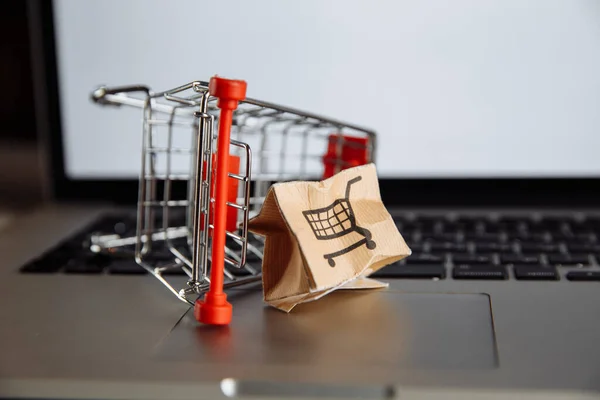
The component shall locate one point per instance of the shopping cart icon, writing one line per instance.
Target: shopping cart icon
(337, 220)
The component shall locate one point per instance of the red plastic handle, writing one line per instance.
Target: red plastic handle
(215, 309)
(354, 153)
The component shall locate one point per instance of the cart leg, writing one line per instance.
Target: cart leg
(367, 234)
(329, 257)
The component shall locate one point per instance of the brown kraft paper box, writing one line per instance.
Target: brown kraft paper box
(323, 236)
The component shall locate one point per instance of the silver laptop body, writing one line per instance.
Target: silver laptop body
(120, 336)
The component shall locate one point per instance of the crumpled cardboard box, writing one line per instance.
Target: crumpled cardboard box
(323, 236)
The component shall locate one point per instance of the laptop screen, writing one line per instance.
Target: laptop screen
(461, 89)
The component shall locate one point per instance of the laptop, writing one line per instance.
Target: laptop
(486, 121)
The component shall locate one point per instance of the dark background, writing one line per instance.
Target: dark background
(16, 102)
(20, 163)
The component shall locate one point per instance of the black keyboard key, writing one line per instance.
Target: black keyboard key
(527, 236)
(483, 237)
(175, 270)
(125, 267)
(539, 248)
(570, 237)
(409, 226)
(119, 224)
(583, 248)
(94, 264)
(37, 267)
(554, 223)
(165, 254)
(47, 263)
(404, 225)
(428, 219)
(424, 219)
(399, 219)
(417, 247)
(176, 219)
(411, 271)
(425, 223)
(479, 272)
(449, 226)
(592, 222)
(239, 272)
(422, 259)
(425, 233)
(448, 247)
(581, 228)
(472, 259)
(583, 275)
(471, 222)
(486, 248)
(512, 226)
(492, 227)
(513, 219)
(254, 258)
(569, 259)
(541, 229)
(440, 237)
(408, 234)
(75, 244)
(535, 272)
(462, 225)
(409, 237)
(519, 259)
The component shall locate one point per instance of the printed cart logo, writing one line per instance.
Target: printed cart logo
(337, 220)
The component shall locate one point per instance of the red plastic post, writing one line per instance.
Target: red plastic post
(214, 309)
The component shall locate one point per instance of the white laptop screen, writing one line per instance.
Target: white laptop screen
(469, 88)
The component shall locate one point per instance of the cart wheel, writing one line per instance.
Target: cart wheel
(371, 244)
(331, 262)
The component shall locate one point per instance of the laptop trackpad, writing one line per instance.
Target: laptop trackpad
(365, 328)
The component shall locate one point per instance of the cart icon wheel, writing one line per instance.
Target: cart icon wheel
(337, 220)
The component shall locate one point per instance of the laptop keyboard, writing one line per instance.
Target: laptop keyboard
(73, 255)
(444, 247)
(498, 248)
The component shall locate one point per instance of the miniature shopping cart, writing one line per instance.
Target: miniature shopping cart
(200, 181)
(337, 220)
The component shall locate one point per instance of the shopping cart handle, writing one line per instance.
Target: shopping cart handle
(99, 95)
(350, 182)
(214, 309)
(354, 180)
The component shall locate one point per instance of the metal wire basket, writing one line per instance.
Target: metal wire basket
(176, 224)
